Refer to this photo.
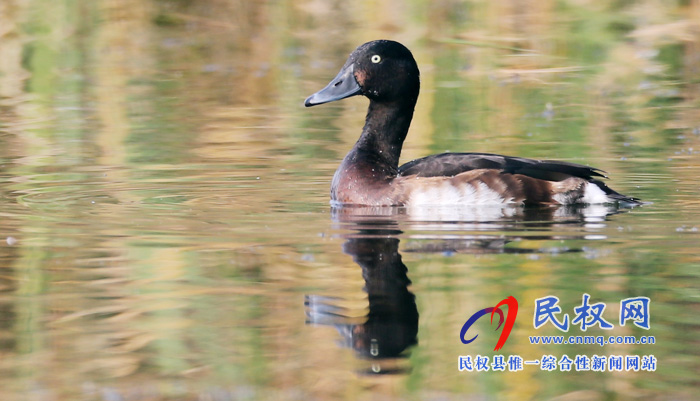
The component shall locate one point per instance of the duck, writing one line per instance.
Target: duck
(385, 72)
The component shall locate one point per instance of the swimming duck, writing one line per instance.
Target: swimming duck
(386, 72)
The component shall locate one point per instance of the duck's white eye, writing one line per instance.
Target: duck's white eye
(376, 58)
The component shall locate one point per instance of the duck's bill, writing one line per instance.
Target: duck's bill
(342, 86)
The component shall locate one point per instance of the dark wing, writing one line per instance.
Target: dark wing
(451, 164)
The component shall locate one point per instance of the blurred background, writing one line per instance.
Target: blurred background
(164, 197)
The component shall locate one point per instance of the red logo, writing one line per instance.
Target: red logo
(512, 304)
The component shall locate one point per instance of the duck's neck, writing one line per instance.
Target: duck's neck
(385, 129)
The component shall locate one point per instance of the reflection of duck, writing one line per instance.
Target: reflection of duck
(386, 73)
(391, 326)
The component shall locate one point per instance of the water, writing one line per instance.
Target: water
(165, 231)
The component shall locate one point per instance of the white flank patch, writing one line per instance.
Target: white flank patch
(592, 194)
(445, 194)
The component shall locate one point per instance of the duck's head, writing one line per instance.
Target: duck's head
(382, 70)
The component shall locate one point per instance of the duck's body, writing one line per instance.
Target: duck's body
(386, 73)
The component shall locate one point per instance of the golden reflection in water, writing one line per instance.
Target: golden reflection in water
(123, 55)
(166, 192)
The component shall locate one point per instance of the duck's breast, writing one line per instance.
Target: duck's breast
(359, 183)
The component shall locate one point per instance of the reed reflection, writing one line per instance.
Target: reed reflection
(390, 327)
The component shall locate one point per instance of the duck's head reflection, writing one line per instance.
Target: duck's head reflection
(391, 326)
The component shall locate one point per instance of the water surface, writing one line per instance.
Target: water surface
(165, 226)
